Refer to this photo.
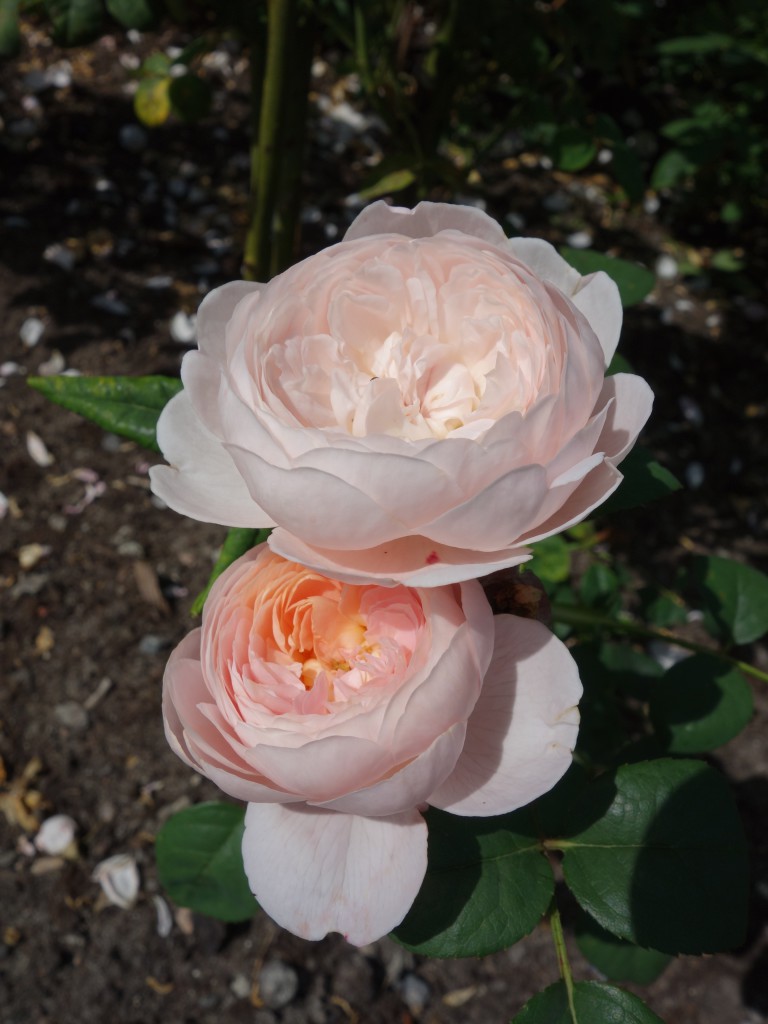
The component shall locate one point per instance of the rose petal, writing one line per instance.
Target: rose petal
(216, 311)
(631, 401)
(522, 732)
(596, 295)
(206, 747)
(316, 871)
(413, 561)
(411, 785)
(202, 481)
(423, 221)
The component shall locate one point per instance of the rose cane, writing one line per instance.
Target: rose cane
(339, 712)
(417, 403)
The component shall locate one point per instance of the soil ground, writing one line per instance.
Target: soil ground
(148, 229)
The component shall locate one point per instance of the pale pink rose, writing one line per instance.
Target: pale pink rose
(416, 404)
(338, 712)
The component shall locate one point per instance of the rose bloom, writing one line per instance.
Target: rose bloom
(338, 712)
(416, 404)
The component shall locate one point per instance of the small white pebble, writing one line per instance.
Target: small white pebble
(240, 986)
(415, 992)
(651, 204)
(53, 366)
(60, 75)
(164, 917)
(56, 835)
(30, 554)
(31, 331)
(684, 306)
(666, 268)
(278, 984)
(37, 450)
(118, 877)
(184, 328)
(11, 369)
(604, 157)
(579, 240)
(59, 255)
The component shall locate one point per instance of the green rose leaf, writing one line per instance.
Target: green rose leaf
(10, 37)
(573, 149)
(394, 181)
(593, 1003)
(617, 959)
(200, 864)
(655, 853)
(699, 704)
(487, 885)
(190, 97)
(644, 480)
(140, 14)
(129, 406)
(611, 673)
(671, 169)
(734, 598)
(74, 21)
(237, 542)
(634, 282)
(551, 560)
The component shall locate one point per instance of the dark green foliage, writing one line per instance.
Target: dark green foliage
(593, 1003)
(200, 864)
(129, 406)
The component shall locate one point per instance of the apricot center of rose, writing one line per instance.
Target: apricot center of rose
(292, 641)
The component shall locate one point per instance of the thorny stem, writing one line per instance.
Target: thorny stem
(562, 957)
(573, 615)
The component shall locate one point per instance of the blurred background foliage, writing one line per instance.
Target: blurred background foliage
(670, 96)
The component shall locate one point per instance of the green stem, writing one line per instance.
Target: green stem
(288, 201)
(575, 615)
(562, 957)
(281, 36)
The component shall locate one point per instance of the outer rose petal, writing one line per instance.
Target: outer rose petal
(521, 735)
(216, 310)
(595, 295)
(196, 739)
(202, 481)
(423, 221)
(412, 561)
(317, 871)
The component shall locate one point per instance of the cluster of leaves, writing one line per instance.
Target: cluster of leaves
(646, 836)
(668, 95)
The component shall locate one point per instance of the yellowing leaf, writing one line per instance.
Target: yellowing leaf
(152, 103)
